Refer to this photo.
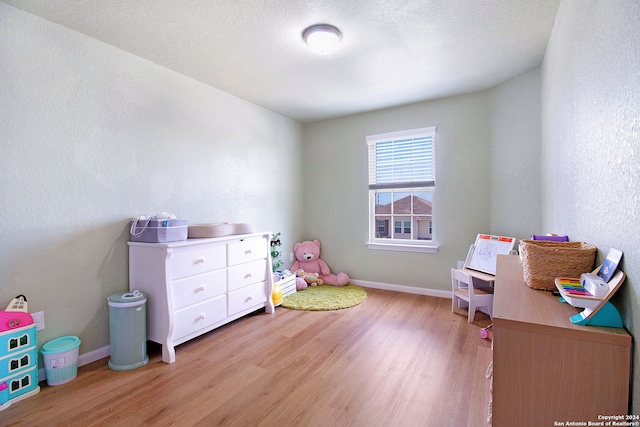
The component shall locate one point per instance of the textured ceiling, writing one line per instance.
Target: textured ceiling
(393, 52)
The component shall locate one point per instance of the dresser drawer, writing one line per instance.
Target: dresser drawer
(246, 274)
(199, 316)
(190, 260)
(247, 250)
(247, 297)
(194, 289)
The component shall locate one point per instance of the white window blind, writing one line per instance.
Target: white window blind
(401, 159)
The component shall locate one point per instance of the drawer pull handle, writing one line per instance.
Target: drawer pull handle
(248, 276)
(200, 260)
(201, 289)
(248, 251)
(202, 317)
(249, 298)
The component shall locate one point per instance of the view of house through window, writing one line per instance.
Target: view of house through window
(401, 186)
(403, 215)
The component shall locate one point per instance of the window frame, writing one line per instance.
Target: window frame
(424, 183)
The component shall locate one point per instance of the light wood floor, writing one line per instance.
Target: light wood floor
(394, 360)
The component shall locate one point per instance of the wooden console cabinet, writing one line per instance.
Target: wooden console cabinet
(546, 370)
(197, 285)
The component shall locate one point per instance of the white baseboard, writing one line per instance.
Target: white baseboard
(84, 359)
(402, 288)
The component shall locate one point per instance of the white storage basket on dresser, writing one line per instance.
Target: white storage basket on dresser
(197, 285)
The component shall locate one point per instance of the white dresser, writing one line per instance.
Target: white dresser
(196, 285)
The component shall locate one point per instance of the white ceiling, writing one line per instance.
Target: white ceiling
(393, 52)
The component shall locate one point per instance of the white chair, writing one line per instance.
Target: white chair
(469, 291)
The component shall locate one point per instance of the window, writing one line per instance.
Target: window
(18, 342)
(401, 189)
(20, 383)
(19, 363)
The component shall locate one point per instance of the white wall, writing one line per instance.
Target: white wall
(91, 136)
(591, 138)
(336, 189)
(487, 180)
(515, 157)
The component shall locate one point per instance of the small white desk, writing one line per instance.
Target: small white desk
(473, 289)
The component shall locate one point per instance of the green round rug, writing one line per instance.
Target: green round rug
(326, 297)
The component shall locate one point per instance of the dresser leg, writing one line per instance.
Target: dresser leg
(269, 308)
(168, 353)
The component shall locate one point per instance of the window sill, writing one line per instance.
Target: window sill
(432, 249)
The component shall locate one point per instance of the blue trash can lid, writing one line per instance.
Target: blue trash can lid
(60, 345)
(127, 299)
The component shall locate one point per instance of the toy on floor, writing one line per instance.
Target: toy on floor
(310, 279)
(18, 353)
(484, 332)
(308, 259)
(276, 295)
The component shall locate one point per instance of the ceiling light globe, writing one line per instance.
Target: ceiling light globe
(322, 38)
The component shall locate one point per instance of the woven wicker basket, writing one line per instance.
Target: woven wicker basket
(543, 261)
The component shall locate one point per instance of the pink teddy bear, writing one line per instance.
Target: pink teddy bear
(308, 259)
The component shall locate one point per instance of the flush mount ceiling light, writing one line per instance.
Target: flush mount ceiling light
(322, 38)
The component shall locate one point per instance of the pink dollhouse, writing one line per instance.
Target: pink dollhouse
(18, 353)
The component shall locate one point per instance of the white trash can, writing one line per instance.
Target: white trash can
(61, 359)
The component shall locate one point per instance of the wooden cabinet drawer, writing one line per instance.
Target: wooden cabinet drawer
(194, 289)
(247, 297)
(246, 274)
(199, 316)
(190, 260)
(247, 250)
